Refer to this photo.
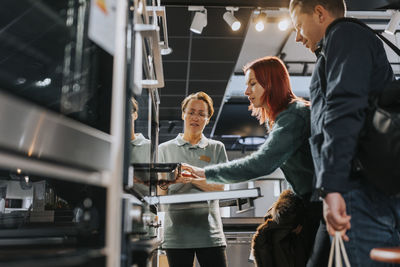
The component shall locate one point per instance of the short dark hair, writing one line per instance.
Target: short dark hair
(199, 96)
(336, 7)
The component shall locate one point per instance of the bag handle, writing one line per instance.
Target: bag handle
(338, 249)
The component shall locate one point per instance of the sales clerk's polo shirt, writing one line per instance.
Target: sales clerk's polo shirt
(201, 225)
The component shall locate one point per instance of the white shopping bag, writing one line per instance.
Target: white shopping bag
(338, 249)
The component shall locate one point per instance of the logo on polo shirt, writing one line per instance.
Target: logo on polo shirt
(205, 158)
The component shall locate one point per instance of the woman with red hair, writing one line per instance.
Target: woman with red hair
(287, 119)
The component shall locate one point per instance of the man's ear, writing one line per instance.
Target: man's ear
(321, 12)
(183, 116)
(134, 116)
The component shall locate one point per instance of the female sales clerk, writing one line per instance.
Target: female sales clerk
(196, 231)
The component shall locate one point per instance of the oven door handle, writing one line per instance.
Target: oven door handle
(203, 196)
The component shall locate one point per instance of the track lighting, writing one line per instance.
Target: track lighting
(393, 23)
(166, 51)
(284, 24)
(260, 21)
(233, 22)
(199, 20)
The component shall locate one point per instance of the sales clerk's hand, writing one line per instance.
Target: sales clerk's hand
(335, 215)
(187, 177)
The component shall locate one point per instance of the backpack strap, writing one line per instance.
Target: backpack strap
(392, 94)
(383, 38)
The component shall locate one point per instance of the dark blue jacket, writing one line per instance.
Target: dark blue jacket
(351, 64)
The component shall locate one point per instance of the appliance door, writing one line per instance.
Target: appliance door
(238, 247)
(45, 221)
(47, 58)
(55, 84)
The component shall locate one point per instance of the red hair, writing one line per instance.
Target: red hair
(272, 75)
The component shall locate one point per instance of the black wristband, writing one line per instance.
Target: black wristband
(322, 192)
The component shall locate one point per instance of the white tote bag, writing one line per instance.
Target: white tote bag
(338, 249)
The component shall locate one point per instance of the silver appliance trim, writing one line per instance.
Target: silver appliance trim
(38, 167)
(151, 32)
(159, 11)
(203, 196)
(239, 233)
(242, 220)
(43, 134)
(147, 35)
(32, 241)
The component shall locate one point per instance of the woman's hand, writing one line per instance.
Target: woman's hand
(192, 171)
(190, 174)
(196, 176)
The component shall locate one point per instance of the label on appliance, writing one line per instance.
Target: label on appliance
(102, 21)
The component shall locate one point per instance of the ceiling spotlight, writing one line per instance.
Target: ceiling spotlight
(199, 20)
(283, 25)
(166, 51)
(260, 21)
(233, 22)
(393, 23)
(43, 83)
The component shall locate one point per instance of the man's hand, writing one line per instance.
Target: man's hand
(335, 215)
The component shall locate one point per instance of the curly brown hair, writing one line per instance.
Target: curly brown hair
(199, 96)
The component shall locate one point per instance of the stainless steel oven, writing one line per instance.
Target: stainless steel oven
(50, 222)
(62, 116)
(55, 84)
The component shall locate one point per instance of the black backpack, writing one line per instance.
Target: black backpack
(378, 153)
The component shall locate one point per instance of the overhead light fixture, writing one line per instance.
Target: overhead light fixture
(393, 23)
(284, 24)
(166, 51)
(260, 21)
(45, 82)
(20, 81)
(228, 16)
(199, 20)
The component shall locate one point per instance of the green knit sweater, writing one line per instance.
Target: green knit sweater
(286, 147)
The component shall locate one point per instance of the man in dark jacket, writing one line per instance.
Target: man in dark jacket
(351, 65)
